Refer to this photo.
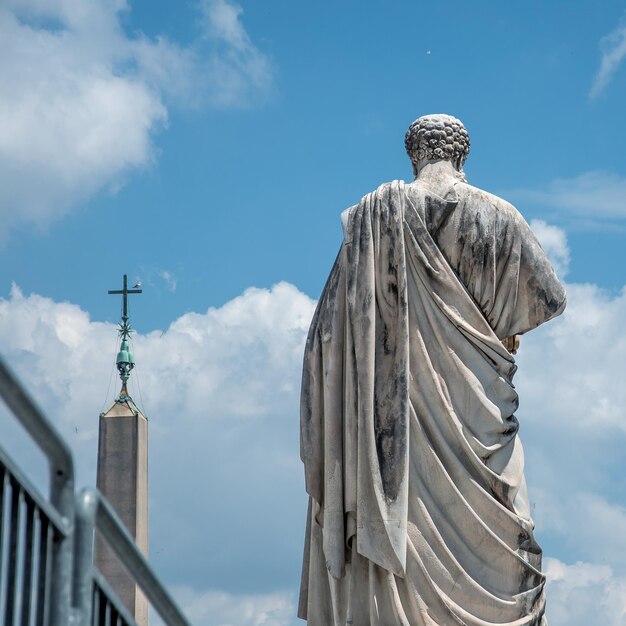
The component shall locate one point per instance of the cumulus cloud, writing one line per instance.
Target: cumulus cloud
(81, 101)
(554, 242)
(582, 593)
(613, 48)
(170, 280)
(240, 68)
(592, 195)
(584, 352)
(224, 609)
(159, 279)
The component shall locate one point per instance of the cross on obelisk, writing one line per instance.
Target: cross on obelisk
(123, 471)
(125, 358)
(124, 292)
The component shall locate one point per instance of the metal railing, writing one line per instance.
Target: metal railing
(47, 576)
(36, 534)
(33, 539)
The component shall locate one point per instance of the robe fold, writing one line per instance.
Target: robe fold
(418, 511)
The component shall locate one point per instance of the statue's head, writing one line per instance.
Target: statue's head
(437, 137)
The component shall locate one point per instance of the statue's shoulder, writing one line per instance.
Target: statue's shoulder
(381, 191)
(475, 195)
(365, 203)
(479, 200)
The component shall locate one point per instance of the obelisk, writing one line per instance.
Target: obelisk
(123, 472)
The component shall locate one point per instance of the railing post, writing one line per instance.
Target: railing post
(84, 532)
(62, 497)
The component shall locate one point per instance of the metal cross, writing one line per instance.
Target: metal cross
(124, 292)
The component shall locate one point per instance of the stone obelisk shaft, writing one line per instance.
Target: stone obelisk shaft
(123, 480)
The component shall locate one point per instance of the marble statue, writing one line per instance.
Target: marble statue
(418, 509)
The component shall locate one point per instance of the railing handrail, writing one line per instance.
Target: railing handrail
(61, 467)
(44, 434)
(94, 512)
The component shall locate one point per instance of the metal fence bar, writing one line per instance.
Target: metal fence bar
(14, 526)
(3, 490)
(27, 580)
(42, 574)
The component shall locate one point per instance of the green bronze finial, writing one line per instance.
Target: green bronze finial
(125, 359)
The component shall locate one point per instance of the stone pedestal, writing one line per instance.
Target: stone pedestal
(123, 480)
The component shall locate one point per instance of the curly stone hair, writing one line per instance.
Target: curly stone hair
(437, 137)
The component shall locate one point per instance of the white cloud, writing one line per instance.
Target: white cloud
(592, 195)
(241, 68)
(69, 124)
(582, 390)
(585, 524)
(223, 609)
(169, 278)
(554, 242)
(81, 101)
(239, 360)
(613, 48)
(582, 594)
(159, 279)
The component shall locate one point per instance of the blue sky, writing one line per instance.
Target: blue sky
(207, 149)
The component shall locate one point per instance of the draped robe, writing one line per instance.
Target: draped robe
(418, 510)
